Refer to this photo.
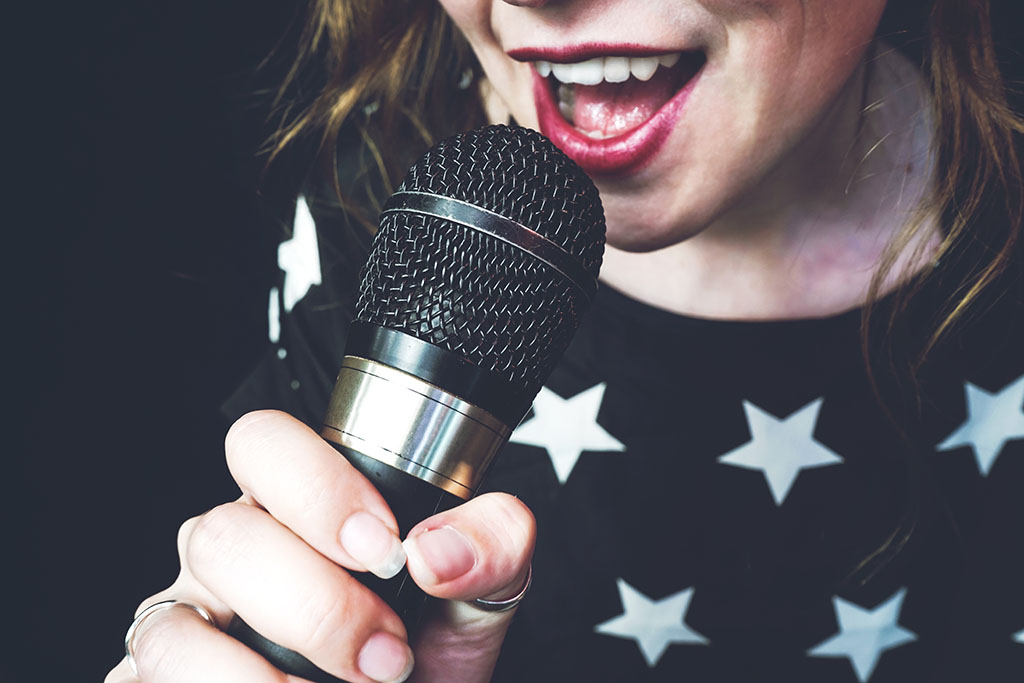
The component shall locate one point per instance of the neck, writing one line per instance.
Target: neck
(808, 240)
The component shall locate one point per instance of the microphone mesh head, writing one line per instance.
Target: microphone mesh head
(495, 305)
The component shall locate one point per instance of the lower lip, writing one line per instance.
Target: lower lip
(620, 155)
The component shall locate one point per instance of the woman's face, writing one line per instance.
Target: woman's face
(678, 109)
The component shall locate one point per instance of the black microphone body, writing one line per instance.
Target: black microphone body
(485, 260)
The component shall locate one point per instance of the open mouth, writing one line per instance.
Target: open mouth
(608, 96)
(611, 113)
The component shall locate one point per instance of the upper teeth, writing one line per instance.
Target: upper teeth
(610, 69)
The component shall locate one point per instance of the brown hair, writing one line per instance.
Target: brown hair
(979, 194)
(979, 199)
(394, 73)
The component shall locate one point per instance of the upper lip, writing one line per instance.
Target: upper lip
(567, 54)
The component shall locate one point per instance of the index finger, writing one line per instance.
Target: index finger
(304, 483)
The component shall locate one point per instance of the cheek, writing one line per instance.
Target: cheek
(509, 81)
(781, 68)
(471, 17)
(468, 15)
(804, 36)
(797, 41)
(836, 35)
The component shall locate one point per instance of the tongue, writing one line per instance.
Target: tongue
(614, 108)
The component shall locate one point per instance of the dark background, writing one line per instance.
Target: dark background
(142, 260)
(139, 255)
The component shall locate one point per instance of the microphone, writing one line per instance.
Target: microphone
(486, 259)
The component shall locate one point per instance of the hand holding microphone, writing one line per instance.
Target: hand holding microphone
(485, 260)
(276, 559)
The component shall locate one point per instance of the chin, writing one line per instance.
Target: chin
(649, 229)
(644, 238)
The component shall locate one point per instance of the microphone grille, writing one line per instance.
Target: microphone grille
(519, 174)
(466, 291)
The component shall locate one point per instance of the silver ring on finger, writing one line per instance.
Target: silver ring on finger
(129, 637)
(507, 604)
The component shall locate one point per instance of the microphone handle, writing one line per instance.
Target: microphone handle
(411, 500)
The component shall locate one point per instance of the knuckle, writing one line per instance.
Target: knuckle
(155, 598)
(325, 490)
(154, 647)
(512, 524)
(184, 533)
(323, 620)
(214, 535)
(144, 604)
(118, 673)
(246, 430)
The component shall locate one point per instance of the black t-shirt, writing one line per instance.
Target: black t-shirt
(729, 501)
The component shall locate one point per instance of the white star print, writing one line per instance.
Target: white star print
(1019, 637)
(781, 447)
(992, 420)
(299, 258)
(653, 624)
(274, 316)
(865, 634)
(566, 428)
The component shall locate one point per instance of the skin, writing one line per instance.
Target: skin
(764, 202)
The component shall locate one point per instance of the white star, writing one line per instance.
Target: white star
(781, 447)
(566, 428)
(865, 634)
(1019, 637)
(274, 316)
(299, 257)
(653, 624)
(992, 420)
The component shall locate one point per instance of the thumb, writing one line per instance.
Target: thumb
(481, 549)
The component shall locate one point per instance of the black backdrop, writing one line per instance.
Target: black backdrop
(139, 262)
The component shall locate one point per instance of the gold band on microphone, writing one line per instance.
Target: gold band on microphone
(412, 425)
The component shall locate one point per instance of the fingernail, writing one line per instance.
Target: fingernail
(372, 544)
(443, 552)
(385, 658)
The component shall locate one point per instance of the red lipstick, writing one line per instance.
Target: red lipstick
(614, 156)
(584, 51)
